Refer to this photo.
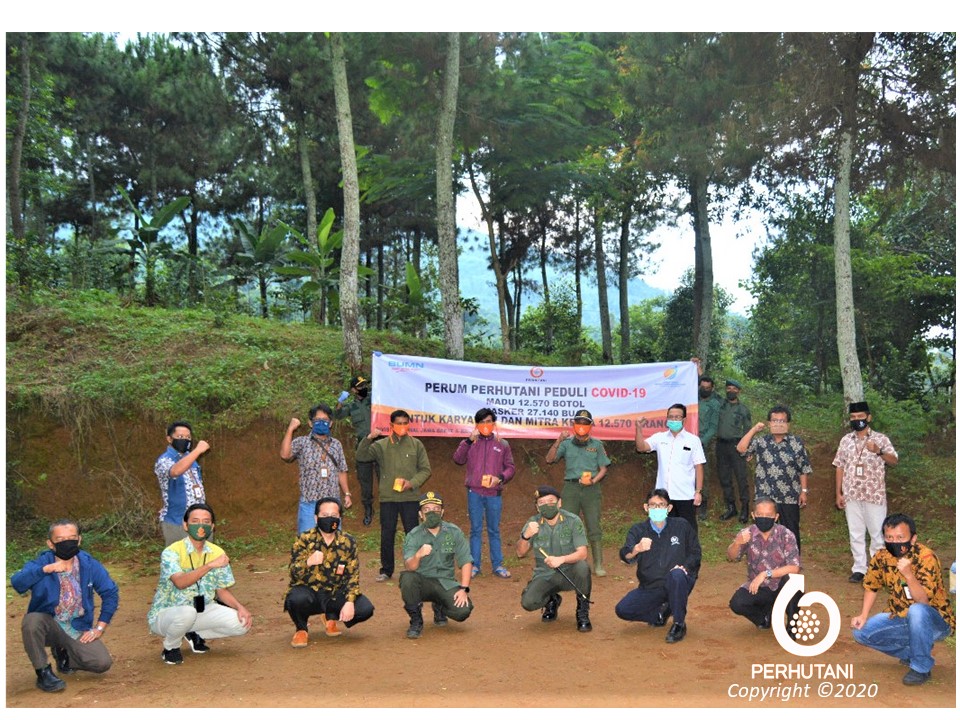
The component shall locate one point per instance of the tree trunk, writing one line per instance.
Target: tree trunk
(310, 197)
(625, 216)
(350, 253)
(703, 267)
(549, 315)
(606, 336)
(446, 205)
(578, 262)
(262, 282)
(18, 226)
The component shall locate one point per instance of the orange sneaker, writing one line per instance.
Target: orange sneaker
(331, 629)
(300, 639)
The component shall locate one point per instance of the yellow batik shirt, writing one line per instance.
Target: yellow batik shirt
(883, 573)
(339, 573)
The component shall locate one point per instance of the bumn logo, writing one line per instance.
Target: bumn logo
(806, 624)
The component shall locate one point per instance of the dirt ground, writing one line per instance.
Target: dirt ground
(501, 656)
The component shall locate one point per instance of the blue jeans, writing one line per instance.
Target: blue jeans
(907, 638)
(480, 507)
(306, 519)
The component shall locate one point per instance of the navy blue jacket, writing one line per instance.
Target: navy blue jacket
(676, 545)
(44, 588)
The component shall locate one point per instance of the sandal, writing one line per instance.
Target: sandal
(502, 572)
(475, 571)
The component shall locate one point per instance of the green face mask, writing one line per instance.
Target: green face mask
(549, 511)
(432, 519)
(199, 531)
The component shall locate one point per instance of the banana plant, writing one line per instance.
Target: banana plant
(262, 254)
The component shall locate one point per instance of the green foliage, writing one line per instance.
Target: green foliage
(567, 344)
(678, 323)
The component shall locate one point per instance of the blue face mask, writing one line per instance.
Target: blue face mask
(675, 425)
(658, 515)
(321, 427)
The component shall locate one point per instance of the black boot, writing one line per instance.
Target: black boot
(416, 621)
(731, 512)
(439, 616)
(744, 514)
(583, 614)
(551, 608)
(367, 513)
(48, 682)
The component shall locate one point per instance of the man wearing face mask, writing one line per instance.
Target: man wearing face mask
(192, 595)
(666, 552)
(708, 418)
(772, 554)
(585, 467)
(733, 422)
(325, 576)
(358, 410)
(181, 483)
(489, 462)
(559, 546)
(861, 462)
(404, 468)
(918, 609)
(680, 463)
(61, 582)
(323, 467)
(430, 552)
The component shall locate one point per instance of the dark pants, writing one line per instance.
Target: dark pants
(365, 476)
(303, 601)
(540, 588)
(790, 519)
(389, 512)
(41, 631)
(730, 464)
(687, 510)
(643, 603)
(416, 589)
(758, 608)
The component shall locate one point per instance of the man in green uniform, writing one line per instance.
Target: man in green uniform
(358, 410)
(404, 467)
(559, 546)
(586, 465)
(429, 553)
(733, 423)
(708, 416)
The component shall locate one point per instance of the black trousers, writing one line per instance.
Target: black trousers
(389, 512)
(790, 518)
(687, 510)
(303, 601)
(730, 464)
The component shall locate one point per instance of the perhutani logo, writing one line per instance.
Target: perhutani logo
(669, 372)
(804, 624)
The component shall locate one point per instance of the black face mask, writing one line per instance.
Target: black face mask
(66, 549)
(732, 395)
(705, 393)
(858, 425)
(764, 524)
(328, 524)
(181, 445)
(898, 550)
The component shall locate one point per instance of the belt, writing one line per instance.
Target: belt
(730, 440)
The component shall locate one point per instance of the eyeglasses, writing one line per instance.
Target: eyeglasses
(657, 506)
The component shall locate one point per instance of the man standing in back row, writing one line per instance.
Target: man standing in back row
(733, 423)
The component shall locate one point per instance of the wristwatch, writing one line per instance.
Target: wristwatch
(465, 588)
(769, 574)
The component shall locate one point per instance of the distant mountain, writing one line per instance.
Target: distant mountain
(477, 281)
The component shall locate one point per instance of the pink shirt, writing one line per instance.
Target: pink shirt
(869, 486)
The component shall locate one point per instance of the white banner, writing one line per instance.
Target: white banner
(442, 396)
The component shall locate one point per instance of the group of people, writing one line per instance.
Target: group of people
(193, 600)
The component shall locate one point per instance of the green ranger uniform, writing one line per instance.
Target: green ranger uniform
(580, 458)
(733, 421)
(435, 580)
(404, 457)
(557, 540)
(359, 413)
(708, 414)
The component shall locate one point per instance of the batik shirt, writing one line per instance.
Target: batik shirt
(71, 603)
(769, 554)
(313, 455)
(178, 492)
(338, 574)
(779, 467)
(883, 573)
(870, 486)
(180, 557)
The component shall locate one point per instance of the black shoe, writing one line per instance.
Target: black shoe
(439, 616)
(63, 661)
(731, 512)
(911, 678)
(856, 577)
(49, 682)
(196, 642)
(765, 623)
(677, 633)
(172, 657)
(663, 612)
(744, 514)
(416, 622)
(702, 512)
(367, 514)
(551, 608)
(583, 614)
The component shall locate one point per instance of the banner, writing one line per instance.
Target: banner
(442, 396)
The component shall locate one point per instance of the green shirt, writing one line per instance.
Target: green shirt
(560, 539)
(449, 545)
(734, 421)
(581, 458)
(359, 413)
(404, 457)
(709, 418)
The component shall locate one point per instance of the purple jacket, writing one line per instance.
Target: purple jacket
(486, 456)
